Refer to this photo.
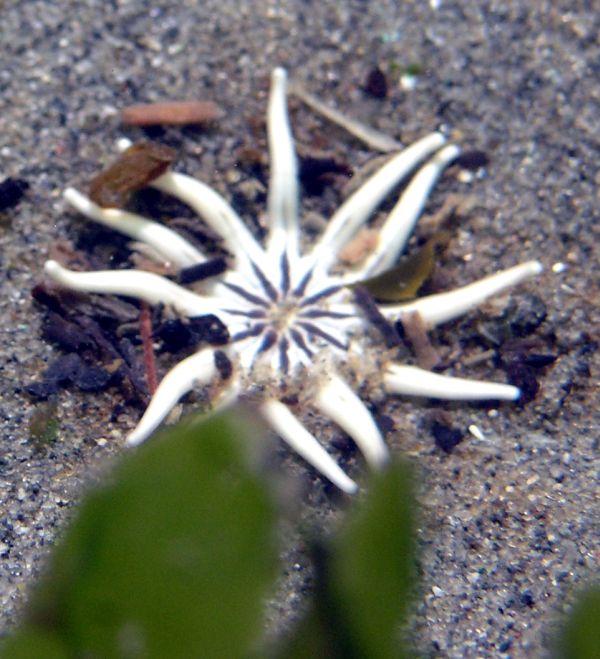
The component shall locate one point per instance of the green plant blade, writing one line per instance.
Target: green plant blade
(581, 636)
(171, 559)
(31, 642)
(372, 565)
(363, 579)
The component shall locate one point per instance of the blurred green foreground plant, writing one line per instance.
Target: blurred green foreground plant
(175, 556)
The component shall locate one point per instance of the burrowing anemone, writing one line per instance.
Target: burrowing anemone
(297, 331)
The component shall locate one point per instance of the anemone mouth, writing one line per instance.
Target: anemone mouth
(289, 325)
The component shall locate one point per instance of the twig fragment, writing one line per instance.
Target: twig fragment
(370, 136)
(174, 113)
(149, 359)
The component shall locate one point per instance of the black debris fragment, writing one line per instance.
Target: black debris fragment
(523, 367)
(132, 369)
(70, 369)
(209, 329)
(376, 83)
(526, 316)
(64, 333)
(42, 389)
(92, 378)
(201, 271)
(526, 599)
(64, 369)
(317, 173)
(11, 192)
(177, 334)
(386, 424)
(50, 297)
(366, 302)
(521, 318)
(536, 360)
(446, 437)
(523, 377)
(89, 333)
(521, 355)
(174, 334)
(223, 364)
(344, 444)
(472, 160)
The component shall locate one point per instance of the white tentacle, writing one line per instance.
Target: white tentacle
(287, 426)
(354, 212)
(169, 245)
(283, 183)
(395, 232)
(215, 211)
(197, 370)
(414, 381)
(139, 284)
(337, 401)
(442, 307)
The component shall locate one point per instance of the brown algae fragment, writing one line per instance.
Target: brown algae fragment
(137, 166)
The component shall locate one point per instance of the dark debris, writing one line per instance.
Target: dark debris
(388, 331)
(178, 334)
(472, 160)
(520, 354)
(200, 271)
(376, 84)
(446, 437)
(70, 369)
(223, 364)
(11, 192)
(316, 173)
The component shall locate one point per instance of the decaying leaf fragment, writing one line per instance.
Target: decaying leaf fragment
(403, 281)
(137, 166)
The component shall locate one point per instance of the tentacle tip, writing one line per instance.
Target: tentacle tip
(70, 193)
(516, 394)
(383, 460)
(279, 75)
(452, 151)
(123, 143)
(349, 488)
(52, 268)
(135, 439)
